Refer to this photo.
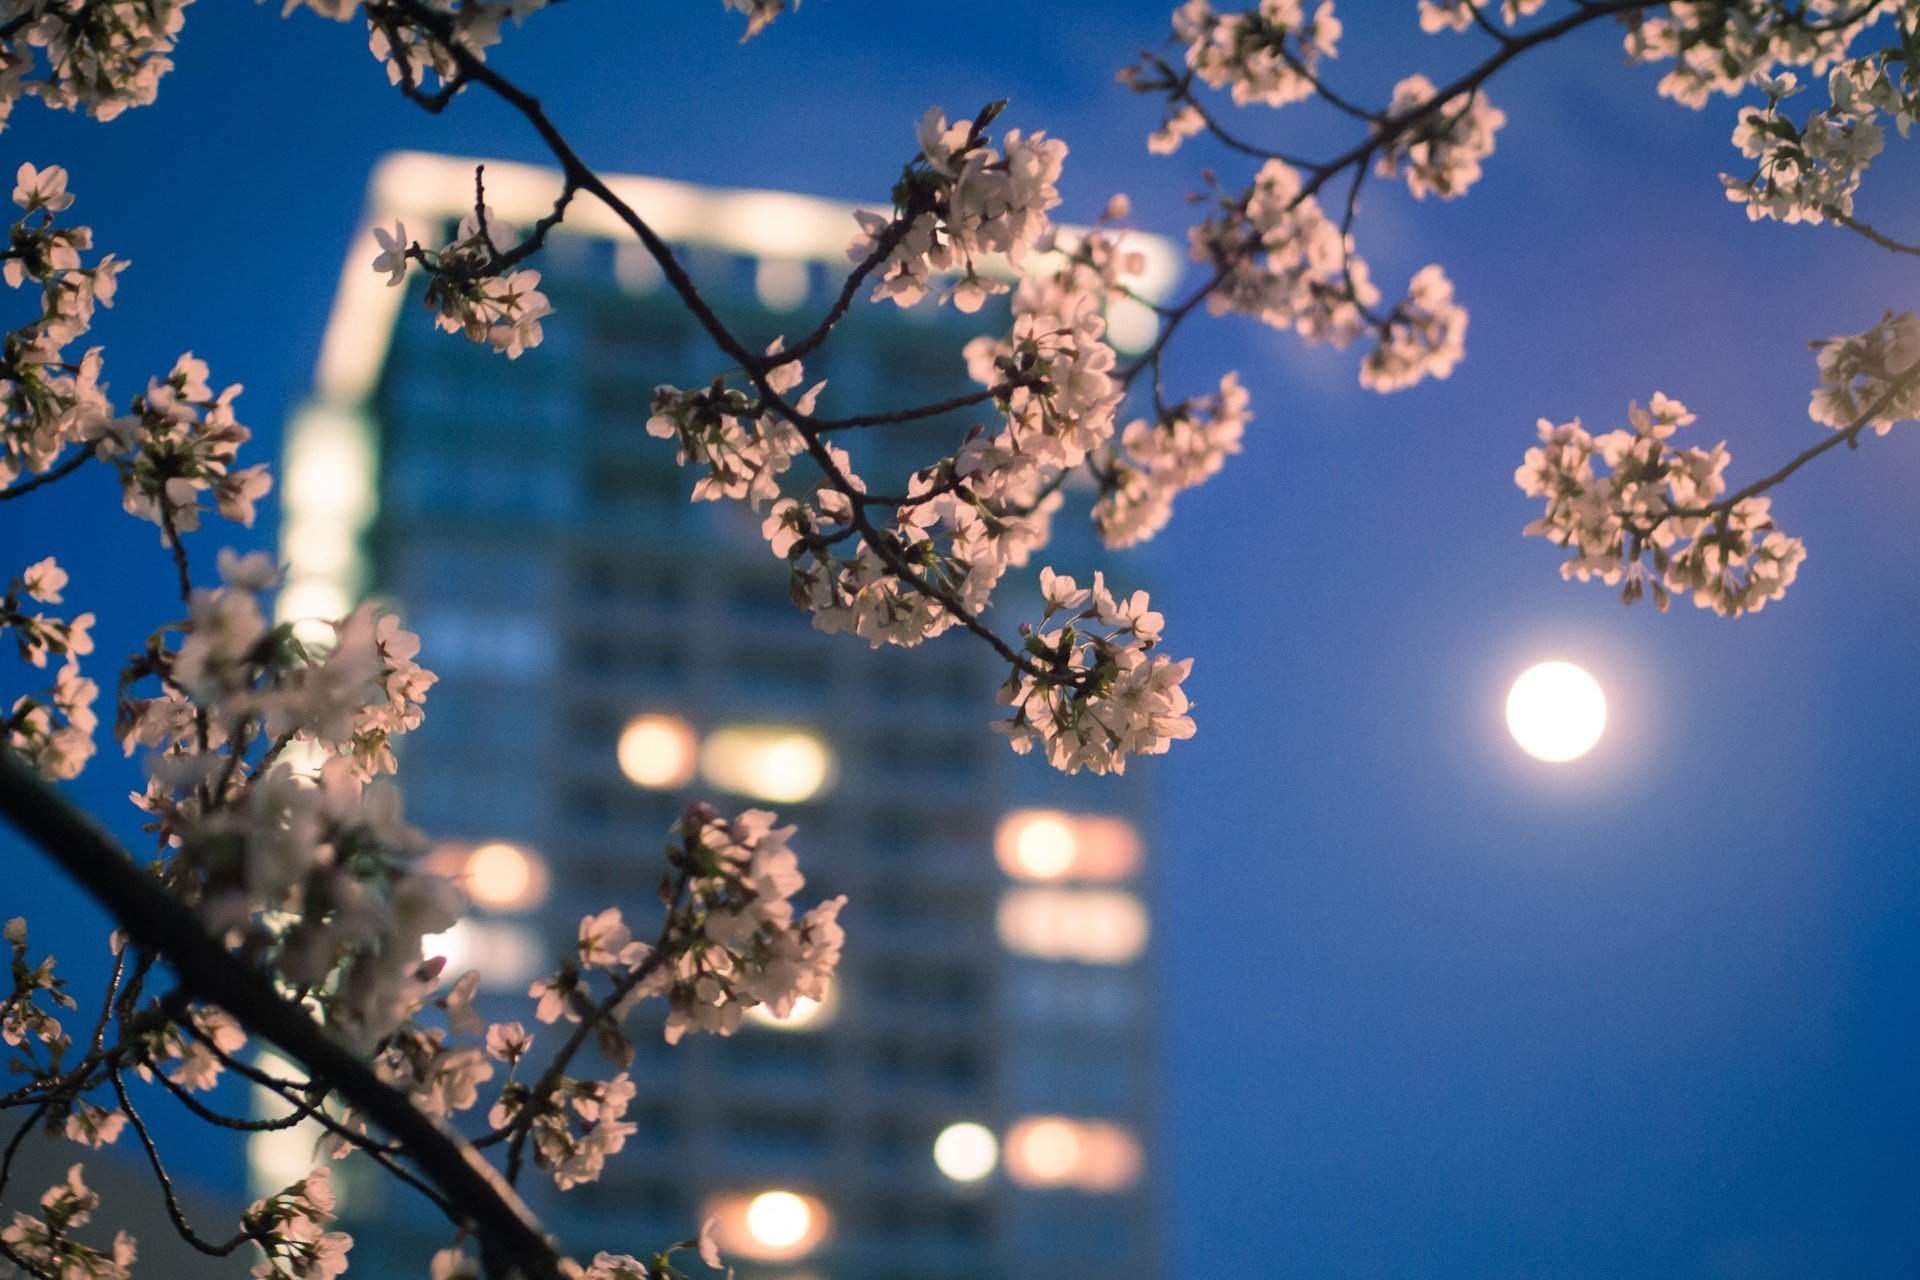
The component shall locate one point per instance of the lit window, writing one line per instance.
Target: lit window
(505, 877)
(1089, 1155)
(966, 1152)
(1035, 844)
(657, 752)
(1045, 844)
(1096, 926)
(806, 1014)
(770, 1226)
(767, 762)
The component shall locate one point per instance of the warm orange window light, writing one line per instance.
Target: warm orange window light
(1046, 844)
(505, 877)
(1094, 926)
(768, 762)
(1087, 1155)
(495, 874)
(658, 752)
(775, 1225)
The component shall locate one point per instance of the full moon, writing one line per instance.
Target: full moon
(1556, 711)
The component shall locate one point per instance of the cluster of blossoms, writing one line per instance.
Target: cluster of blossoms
(1634, 509)
(621, 1266)
(442, 1077)
(1269, 54)
(25, 1016)
(45, 1242)
(1872, 377)
(291, 1228)
(457, 1264)
(1725, 46)
(1183, 446)
(52, 729)
(732, 941)
(266, 788)
(192, 1051)
(579, 1125)
(1804, 172)
(48, 401)
(412, 54)
(1809, 173)
(1425, 335)
(743, 451)
(467, 292)
(1439, 145)
(1281, 259)
(969, 518)
(177, 441)
(1097, 693)
(1458, 15)
(99, 57)
(29, 1024)
(957, 202)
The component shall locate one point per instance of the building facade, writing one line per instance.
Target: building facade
(975, 1099)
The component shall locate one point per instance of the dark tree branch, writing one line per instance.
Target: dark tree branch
(60, 472)
(1849, 435)
(174, 1212)
(1878, 237)
(156, 920)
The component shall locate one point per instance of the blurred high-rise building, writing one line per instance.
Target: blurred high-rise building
(975, 1099)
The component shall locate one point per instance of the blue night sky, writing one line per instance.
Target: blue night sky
(1430, 1008)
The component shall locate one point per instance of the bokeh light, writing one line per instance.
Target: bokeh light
(966, 1152)
(779, 1219)
(772, 1225)
(658, 752)
(1035, 844)
(1089, 925)
(1088, 1155)
(767, 762)
(505, 877)
(1046, 844)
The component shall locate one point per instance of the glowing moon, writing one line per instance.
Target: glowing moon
(1556, 711)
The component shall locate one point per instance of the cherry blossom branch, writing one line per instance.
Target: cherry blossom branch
(1874, 235)
(153, 918)
(540, 1097)
(900, 416)
(576, 172)
(1896, 389)
(1386, 130)
(313, 1096)
(174, 1212)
